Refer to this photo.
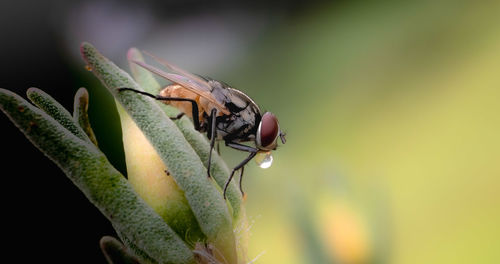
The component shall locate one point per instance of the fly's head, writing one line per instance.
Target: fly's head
(267, 139)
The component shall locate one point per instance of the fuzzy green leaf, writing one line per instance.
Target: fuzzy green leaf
(182, 161)
(50, 106)
(101, 183)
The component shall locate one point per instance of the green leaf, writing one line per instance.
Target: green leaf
(101, 183)
(183, 163)
(80, 113)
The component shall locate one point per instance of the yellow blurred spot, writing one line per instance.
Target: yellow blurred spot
(346, 234)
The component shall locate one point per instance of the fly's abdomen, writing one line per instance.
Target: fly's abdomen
(178, 91)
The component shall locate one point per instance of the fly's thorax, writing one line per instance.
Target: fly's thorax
(207, 106)
(240, 126)
(239, 123)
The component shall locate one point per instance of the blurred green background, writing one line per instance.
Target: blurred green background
(390, 109)
(399, 102)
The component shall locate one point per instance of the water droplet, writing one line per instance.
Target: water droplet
(88, 68)
(264, 159)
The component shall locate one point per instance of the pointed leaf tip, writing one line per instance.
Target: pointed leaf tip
(115, 252)
(80, 113)
(51, 107)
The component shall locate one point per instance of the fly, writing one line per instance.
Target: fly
(224, 113)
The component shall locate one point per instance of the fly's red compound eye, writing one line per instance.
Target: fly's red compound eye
(268, 131)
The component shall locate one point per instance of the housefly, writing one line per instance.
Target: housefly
(224, 113)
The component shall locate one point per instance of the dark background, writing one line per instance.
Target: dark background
(45, 217)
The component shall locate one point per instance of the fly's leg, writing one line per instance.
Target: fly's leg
(195, 112)
(177, 117)
(253, 152)
(240, 166)
(213, 135)
(241, 181)
(241, 147)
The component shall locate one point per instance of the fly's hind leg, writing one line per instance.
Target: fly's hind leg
(195, 112)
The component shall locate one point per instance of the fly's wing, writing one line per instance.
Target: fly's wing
(190, 84)
(175, 69)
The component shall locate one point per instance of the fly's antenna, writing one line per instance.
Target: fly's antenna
(282, 136)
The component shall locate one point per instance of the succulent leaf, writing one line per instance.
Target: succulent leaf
(50, 106)
(80, 113)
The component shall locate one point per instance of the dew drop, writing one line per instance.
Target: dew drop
(264, 159)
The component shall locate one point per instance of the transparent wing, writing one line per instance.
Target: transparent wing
(200, 81)
(186, 82)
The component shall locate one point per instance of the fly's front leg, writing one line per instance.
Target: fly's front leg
(241, 182)
(253, 152)
(241, 147)
(195, 112)
(213, 135)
